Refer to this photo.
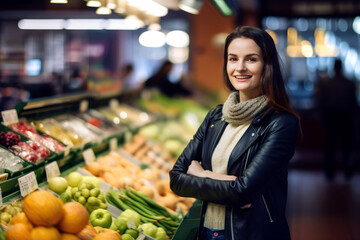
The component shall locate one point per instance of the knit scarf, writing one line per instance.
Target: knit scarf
(237, 113)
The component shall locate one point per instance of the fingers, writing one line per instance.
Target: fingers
(246, 206)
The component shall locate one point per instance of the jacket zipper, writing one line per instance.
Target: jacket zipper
(267, 209)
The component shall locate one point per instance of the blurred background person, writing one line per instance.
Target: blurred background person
(338, 107)
(160, 81)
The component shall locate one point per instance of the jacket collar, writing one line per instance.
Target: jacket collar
(250, 135)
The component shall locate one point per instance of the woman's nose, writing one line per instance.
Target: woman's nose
(241, 66)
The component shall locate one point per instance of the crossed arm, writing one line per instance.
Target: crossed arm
(196, 169)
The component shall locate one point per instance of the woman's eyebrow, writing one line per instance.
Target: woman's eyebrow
(247, 55)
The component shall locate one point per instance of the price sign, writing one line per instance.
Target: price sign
(114, 104)
(67, 151)
(113, 144)
(84, 105)
(89, 156)
(1, 201)
(131, 224)
(27, 184)
(128, 137)
(52, 170)
(141, 237)
(9, 116)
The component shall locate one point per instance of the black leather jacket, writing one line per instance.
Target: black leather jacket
(259, 160)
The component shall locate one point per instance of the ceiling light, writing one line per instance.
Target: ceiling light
(134, 19)
(93, 3)
(103, 11)
(79, 24)
(154, 27)
(152, 39)
(58, 1)
(122, 24)
(191, 6)
(177, 38)
(356, 25)
(41, 24)
(85, 24)
(111, 4)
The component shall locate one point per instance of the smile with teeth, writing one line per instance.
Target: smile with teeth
(242, 77)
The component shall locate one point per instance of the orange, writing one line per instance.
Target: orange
(45, 233)
(21, 218)
(107, 236)
(74, 219)
(18, 231)
(67, 236)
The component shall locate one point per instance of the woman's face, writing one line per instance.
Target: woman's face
(245, 67)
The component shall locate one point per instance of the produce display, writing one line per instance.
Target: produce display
(123, 193)
(9, 139)
(9, 161)
(45, 217)
(119, 172)
(29, 150)
(96, 119)
(31, 133)
(125, 115)
(10, 210)
(54, 129)
(171, 135)
(151, 215)
(82, 189)
(154, 154)
(85, 131)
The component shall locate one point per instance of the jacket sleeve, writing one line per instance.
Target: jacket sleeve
(268, 163)
(193, 151)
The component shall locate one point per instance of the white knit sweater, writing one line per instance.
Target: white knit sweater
(215, 213)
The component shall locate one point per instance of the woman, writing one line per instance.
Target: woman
(236, 163)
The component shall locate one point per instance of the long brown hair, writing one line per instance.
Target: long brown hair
(272, 81)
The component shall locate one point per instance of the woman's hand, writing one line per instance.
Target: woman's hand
(246, 206)
(196, 169)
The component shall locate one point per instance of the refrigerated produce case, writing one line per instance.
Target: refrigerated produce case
(87, 111)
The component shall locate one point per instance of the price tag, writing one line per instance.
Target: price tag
(52, 170)
(113, 144)
(1, 201)
(141, 236)
(66, 152)
(128, 137)
(114, 104)
(131, 224)
(27, 184)
(9, 116)
(84, 105)
(88, 155)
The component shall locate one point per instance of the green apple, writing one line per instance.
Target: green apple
(58, 184)
(74, 179)
(100, 217)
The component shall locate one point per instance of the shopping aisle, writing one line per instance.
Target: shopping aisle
(322, 210)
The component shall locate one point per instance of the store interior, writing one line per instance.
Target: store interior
(60, 56)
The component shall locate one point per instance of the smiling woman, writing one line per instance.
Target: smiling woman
(244, 67)
(236, 163)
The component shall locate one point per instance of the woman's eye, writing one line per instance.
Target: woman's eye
(252, 59)
(232, 59)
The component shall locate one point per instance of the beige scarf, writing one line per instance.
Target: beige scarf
(237, 113)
